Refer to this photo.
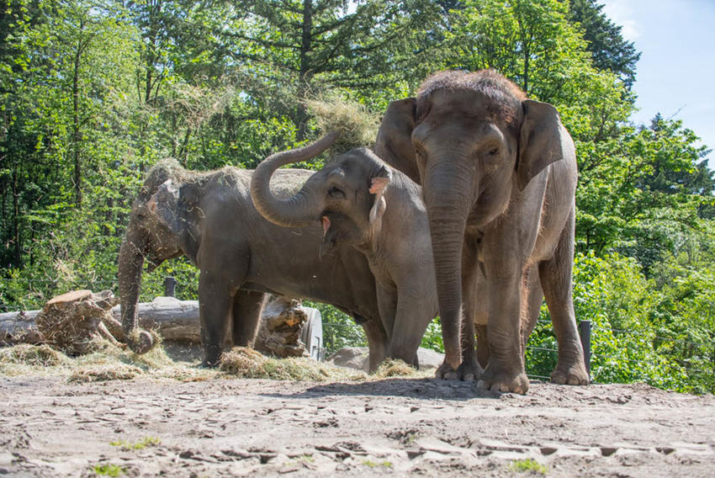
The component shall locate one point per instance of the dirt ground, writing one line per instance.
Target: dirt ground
(400, 426)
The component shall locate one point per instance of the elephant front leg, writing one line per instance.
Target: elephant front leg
(412, 317)
(215, 310)
(469, 370)
(247, 308)
(505, 372)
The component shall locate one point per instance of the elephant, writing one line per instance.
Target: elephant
(209, 217)
(499, 175)
(364, 203)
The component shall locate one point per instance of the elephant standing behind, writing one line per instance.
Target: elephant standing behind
(363, 203)
(210, 218)
(499, 175)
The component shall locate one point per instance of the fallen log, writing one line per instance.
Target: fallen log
(178, 321)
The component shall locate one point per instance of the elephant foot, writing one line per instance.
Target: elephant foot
(501, 381)
(140, 342)
(212, 360)
(446, 372)
(470, 371)
(570, 374)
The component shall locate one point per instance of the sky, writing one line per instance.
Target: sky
(676, 72)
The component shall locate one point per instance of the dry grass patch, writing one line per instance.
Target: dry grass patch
(247, 363)
(109, 362)
(104, 373)
(397, 368)
(106, 361)
(33, 355)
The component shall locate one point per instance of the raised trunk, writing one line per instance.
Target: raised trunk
(299, 210)
(447, 193)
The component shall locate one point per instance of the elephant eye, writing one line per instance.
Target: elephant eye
(336, 193)
(493, 151)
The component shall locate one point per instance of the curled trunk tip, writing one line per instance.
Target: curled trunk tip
(297, 211)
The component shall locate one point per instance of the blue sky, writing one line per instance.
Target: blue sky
(676, 73)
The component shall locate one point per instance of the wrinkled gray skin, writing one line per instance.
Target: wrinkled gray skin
(210, 218)
(499, 177)
(364, 203)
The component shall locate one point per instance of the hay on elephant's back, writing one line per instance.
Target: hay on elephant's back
(357, 126)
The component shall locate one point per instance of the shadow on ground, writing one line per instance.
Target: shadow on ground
(419, 388)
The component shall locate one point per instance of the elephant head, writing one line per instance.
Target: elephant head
(476, 140)
(346, 196)
(154, 233)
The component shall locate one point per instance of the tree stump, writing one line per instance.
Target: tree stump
(280, 329)
(73, 320)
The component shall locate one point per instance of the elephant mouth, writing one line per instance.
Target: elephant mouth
(328, 242)
(326, 225)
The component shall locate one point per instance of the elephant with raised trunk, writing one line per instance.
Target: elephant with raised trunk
(499, 175)
(210, 218)
(364, 203)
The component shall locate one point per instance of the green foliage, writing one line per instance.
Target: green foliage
(339, 329)
(109, 470)
(634, 337)
(528, 465)
(432, 339)
(140, 445)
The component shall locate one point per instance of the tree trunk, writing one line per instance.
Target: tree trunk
(75, 121)
(305, 73)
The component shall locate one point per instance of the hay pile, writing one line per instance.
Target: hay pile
(104, 361)
(357, 126)
(247, 363)
(396, 368)
(107, 362)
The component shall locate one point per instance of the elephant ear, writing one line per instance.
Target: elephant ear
(164, 205)
(543, 140)
(378, 184)
(394, 138)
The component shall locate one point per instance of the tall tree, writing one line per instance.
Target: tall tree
(605, 40)
(293, 45)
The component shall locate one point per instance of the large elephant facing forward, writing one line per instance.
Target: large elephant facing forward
(499, 175)
(210, 218)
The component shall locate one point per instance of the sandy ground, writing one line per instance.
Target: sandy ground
(401, 427)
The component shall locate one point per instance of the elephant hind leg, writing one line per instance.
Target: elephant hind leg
(556, 280)
(377, 341)
(247, 308)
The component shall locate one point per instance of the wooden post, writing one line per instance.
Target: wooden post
(170, 286)
(584, 330)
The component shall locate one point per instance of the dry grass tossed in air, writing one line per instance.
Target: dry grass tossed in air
(356, 125)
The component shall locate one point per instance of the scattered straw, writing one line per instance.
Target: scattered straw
(247, 363)
(109, 362)
(394, 368)
(355, 123)
(104, 373)
(33, 355)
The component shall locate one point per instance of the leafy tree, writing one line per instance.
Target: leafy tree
(611, 52)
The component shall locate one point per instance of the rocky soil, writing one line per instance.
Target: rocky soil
(400, 427)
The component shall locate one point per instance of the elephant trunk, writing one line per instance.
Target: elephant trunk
(447, 192)
(131, 260)
(296, 211)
